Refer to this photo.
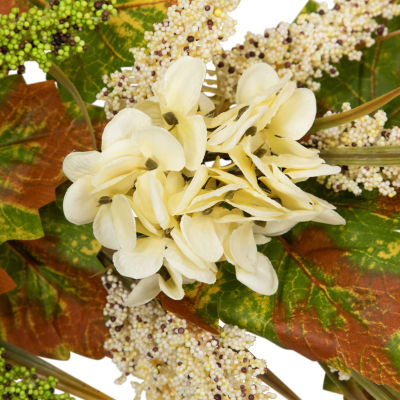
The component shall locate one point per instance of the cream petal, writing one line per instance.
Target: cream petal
(142, 261)
(296, 116)
(116, 168)
(151, 107)
(181, 86)
(180, 241)
(192, 134)
(77, 164)
(156, 193)
(103, 228)
(123, 124)
(279, 227)
(159, 145)
(143, 292)
(179, 202)
(80, 207)
(179, 262)
(239, 157)
(124, 221)
(206, 105)
(243, 247)
(324, 169)
(120, 149)
(174, 183)
(263, 280)
(118, 185)
(199, 232)
(281, 145)
(330, 217)
(257, 80)
(173, 286)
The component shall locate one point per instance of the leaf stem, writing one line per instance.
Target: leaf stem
(333, 120)
(272, 380)
(350, 393)
(363, 156)
(66, 382)
(66, 82)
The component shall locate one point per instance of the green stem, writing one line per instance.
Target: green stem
(352, 393)
(363, 156)
(374, 390)
(65, 81)
(66, 382)
(343, 118)
(275, 383)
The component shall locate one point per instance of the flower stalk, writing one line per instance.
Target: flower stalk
(333, 120)
(59, 75)
(363, 156)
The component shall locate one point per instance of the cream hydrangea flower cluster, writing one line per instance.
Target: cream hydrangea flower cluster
(192, 27)
(177, 360)
(363, 132)
(171, 216)
(309, 46)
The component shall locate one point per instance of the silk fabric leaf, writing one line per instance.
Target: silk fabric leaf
(338, 293)
(57, 306)
(36, 133)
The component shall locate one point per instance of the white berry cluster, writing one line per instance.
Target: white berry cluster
(192, 27)
(309, 46)
(177, 360)
(366, 131)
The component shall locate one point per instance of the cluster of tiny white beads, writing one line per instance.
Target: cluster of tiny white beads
(192, 27)
(366, 131)
(309, 46)
(175, 359)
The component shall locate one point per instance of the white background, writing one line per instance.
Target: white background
(303, 376)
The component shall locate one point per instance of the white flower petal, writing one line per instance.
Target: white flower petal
(296, 116)
(123, 124)
(80, 207)
(206, 105)
(120, 184)
(263, 280)
(77, 164)
(243, 247)
(324, 169)
(179, 262)
(179, 202)
(159, 145)
(330, 217)
(156, 193)
(180, 241)
(256, 81)
(279, 227)
(103, 228)
(142, 261)
(144, 291)
(115, 169)
(192, 134)
(173, 286)
(199, 232)
(124, 221)
(181, 86)
(151, 107)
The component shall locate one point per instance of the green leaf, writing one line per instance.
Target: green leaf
(36, 134)
(338, 290)
(108, 47)
(57, 306)
(376, 74)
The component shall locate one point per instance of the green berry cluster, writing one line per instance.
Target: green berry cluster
(48, 34)
(21, 383)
